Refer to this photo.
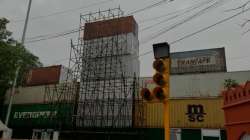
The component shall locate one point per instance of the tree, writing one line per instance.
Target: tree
(12, 55)
(228, 83)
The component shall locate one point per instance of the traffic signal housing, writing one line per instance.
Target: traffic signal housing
(161, 77)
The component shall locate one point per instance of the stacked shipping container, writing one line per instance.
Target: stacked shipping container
(48, 75)
(195, 104)
(110, 63)
(190, 118)
(35, 107)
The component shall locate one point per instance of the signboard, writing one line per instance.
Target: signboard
(199, 61)
(41, 115)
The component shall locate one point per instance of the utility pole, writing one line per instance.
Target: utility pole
(26, 22)
(18, 66)
(12, 95)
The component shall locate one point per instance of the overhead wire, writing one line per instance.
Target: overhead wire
(197, 14)
(175, 12)
(184, 11)
(149, 7)
(201, 30)
(64, 11)
(56, 35)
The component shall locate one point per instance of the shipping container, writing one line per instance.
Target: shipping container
(110, 27)
(198, 85)
(198, 61)
(41, 116)
(186, 113)
(125, 44)
(191, 134)
(43, 94)
(48, 75)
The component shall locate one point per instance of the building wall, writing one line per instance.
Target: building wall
(236, 109)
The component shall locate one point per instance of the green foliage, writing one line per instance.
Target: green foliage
(12, 55)
(228, 83)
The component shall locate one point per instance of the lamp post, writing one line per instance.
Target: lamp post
(18, 66)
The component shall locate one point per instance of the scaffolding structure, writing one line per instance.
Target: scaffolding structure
(106, 68)
(61, 99)
(108, 75)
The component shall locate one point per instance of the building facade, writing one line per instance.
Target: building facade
(236, 109)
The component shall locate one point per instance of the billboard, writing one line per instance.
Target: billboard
(199, 61)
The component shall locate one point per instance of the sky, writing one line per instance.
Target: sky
(65, 15)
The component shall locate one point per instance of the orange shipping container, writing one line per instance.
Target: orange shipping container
(43, 76)
(110, 27)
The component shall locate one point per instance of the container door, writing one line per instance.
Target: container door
(245, 137)
(190, 134)
(211, 134)
(210, 138)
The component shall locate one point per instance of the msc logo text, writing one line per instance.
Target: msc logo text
(195, 113)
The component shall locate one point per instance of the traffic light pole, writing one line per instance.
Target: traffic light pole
(161, 92)
(166, 120)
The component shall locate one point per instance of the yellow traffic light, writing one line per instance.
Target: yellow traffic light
(146, 94)
(161, 92)
(161, 78)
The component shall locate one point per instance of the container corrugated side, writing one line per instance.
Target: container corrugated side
(38, 94)
(198, 85)
(197, 113)
(41, 115)
(179, 117)
(110, 27)
(43, 76)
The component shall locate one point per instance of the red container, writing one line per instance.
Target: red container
(110, 27)
(44, 76)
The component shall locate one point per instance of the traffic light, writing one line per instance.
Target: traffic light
(161, 77)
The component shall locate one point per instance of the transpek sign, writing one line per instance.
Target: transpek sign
(209, 60)
(194, 61)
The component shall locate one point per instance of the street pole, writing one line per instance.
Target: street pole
(18, 66)
(166, 120)
(26, 22)
(12, 96)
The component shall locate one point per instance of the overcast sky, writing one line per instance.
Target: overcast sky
(56, 51)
